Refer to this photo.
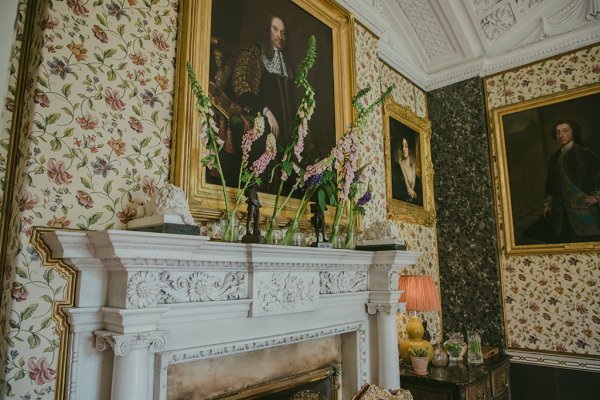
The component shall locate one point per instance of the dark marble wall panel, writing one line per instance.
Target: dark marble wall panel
(466, 225)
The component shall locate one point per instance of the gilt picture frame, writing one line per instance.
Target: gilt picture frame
(526, 155)
(332, 78)
(408, 166)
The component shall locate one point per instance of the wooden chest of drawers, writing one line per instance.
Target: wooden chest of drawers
(460, 381)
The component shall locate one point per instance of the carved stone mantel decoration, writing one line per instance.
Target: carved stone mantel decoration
(186, 298)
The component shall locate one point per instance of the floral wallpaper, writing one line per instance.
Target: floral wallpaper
(96, 143)
(371, 70)
(551, 301)
(547, 77)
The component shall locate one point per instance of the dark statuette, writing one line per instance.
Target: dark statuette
(253, 216)
(318, 222)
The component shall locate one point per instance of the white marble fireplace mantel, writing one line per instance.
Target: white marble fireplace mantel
(145, 301)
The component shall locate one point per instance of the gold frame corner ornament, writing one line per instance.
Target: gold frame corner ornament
(397, 209)
(58, 306)
(193, 45)
(501, 183)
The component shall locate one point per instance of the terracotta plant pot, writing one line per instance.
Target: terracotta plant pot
(419, 364)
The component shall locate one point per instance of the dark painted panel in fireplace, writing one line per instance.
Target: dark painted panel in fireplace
(466, 225)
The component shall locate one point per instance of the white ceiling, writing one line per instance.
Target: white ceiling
(438, 42)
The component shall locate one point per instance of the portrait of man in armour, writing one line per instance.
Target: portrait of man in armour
(255, 52)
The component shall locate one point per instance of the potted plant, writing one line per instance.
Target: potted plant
(419, 357)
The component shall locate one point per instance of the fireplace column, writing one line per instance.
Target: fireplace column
(383, 301)
(387, 344)
(132, 362)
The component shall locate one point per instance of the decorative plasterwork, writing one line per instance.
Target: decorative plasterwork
(428, 27)
(284, 292)
(178, 287)
(343, 282)
(569, 18)
(497, 22)
(435, 44)
(122, 344)
(142, 290)
(483, 6)
(374, 308)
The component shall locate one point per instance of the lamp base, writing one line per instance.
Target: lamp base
(415, 331)
(408, 343)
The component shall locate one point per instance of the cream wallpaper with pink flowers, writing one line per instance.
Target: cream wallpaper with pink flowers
(372, 71)
(551, 301)
(97, 141)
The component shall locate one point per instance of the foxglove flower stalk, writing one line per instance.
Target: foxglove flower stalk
(310, 187)
(345, 160)
(209, 137)
(212, 144)
(259, 166)
(292, 154)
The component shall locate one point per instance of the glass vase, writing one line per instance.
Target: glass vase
(455, 346)
(291, 233)
(270, 235)
(349, 238)
(230, 228)
(474, 355)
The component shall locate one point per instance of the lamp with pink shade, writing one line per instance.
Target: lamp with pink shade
(419, 294)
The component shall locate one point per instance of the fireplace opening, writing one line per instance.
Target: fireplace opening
(320, 384)
(277, 368)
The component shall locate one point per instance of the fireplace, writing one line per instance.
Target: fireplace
(279, 367)
(148, 305)
(321, 384)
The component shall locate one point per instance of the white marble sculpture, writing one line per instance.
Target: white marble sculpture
(169, 201)
(381, 230)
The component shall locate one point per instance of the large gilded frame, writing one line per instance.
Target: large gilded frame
(205, 200)
(397, 209)
(504, 208)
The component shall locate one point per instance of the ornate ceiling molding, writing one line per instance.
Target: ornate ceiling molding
(435, 43)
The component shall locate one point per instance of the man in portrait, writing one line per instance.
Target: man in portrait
(573, 187)
(262, 80)
(253, 59)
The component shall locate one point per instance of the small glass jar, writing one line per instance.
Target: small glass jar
(474, 355)
(440, 357)
(297, 239)
(229, 233)
(277, 237)
(455, 346)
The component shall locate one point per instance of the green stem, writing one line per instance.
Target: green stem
(349, 240)
(289, 235)
(276, 210)
(335, 227)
